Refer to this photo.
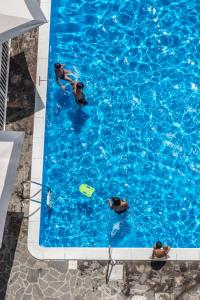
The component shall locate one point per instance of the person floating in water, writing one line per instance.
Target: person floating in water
(119, 206)
(78, 93)
(160, 251)
(61, 74)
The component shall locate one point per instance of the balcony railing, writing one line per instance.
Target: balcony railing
(4, 74)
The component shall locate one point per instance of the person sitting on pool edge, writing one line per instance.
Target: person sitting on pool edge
(119, 206)
(160, 251)
(61, 73)
(78, 93)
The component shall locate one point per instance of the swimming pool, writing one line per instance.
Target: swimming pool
(137, 138)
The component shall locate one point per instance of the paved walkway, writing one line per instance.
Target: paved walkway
(22, 276)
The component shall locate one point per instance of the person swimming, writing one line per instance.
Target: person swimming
(61, 74)
(78, 93)
(119, 206)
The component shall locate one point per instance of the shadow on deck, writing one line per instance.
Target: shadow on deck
(7, 251)
(21, 91)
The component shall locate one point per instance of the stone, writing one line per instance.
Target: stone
(29, 289)
(55, 284)
(139, 297)
(164, 296)
(32, 275)
(150, 295)
(40, 265)
(140, 268)
(83, 292)
(37, 293)
(22, 275)
(78, 283)
(120, 297)
(15, 287)
(91, 296)
(178, 280)
(60, 266)
(183, 266)
(43, 284)
(147, 268)
(42, 273)
(49, 292)
(139, 289)
(14, 277)
(66, 297)
(72, 281)
(165, 279)
(54, 273)
(19, 293)
(30, 261)
(50, 298)
(176, 267)
(143, 278)
(27, 297)
(65, 288)
(78, 297)
(63, 277)
(58, 293)
(87, 282)
(193, 297)
(48, 277)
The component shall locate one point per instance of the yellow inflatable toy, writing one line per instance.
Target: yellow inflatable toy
(86, 190)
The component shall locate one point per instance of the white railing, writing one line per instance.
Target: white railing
(4, 75)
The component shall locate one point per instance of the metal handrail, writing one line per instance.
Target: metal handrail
(111, 261)
(28, 216)
(35, 182)
(111, 264)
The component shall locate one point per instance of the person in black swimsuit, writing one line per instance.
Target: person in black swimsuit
(78, 93)
(61, 73)
(119, 206)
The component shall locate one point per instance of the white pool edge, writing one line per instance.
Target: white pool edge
(39, 252)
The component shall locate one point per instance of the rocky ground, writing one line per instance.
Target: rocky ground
(22, 276)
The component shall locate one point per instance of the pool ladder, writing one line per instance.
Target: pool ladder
(111, 264)
(48, 200)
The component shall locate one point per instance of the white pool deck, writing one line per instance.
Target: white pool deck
(35, 249)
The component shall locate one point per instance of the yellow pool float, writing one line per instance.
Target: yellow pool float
(86, 190)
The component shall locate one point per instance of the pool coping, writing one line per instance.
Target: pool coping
(39, 252)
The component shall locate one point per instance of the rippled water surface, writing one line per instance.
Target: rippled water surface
(139, 136)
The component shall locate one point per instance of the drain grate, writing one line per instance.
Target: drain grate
(72, 264)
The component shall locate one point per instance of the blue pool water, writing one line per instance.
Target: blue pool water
(139, 136)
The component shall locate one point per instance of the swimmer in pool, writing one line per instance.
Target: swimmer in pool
(119, 206)
(160, 251)
(61, 74)
(78, 93)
